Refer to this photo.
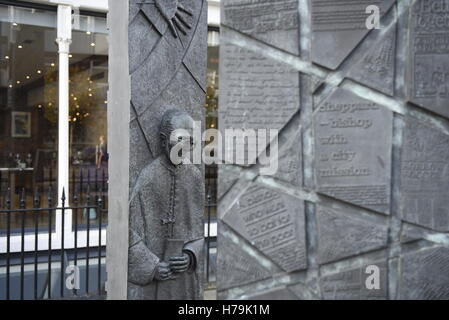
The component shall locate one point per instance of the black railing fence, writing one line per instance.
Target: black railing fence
(40, 238)
(32, 181)
(54, 248)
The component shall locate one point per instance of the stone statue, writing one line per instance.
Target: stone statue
(166, 227)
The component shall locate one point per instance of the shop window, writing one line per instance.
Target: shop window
(88, 113)
(29, 95)
(28, 128)
(212, 116)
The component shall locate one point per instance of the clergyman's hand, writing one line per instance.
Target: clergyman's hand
(163, 271)
(180, 264)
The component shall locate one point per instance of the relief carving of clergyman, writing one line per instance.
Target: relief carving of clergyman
(166, 228)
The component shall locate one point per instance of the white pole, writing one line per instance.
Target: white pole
(64, 40)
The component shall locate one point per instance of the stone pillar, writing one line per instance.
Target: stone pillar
(358, 208)
(158, 52)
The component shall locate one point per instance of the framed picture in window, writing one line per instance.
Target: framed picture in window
(21, 124)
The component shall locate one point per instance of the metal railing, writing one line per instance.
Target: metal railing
(45, 235)
(40, 239)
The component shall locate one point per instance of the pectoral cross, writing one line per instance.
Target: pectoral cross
(169, 222)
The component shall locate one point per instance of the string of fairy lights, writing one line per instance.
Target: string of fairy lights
(77, 112)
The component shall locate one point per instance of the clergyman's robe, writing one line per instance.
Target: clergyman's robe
(159, 189)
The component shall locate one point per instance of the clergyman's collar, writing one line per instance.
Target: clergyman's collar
(174, 169)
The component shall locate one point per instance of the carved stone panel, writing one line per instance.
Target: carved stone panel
(144, 32)
(353, 150)
(410, 233)
(274, 22)
(273, 223)
(139, 158)
(425, 275)
(338, 27)
(282, 293)
(145, 87)
(429, 56)
(359, 206)
(228, 176)
(377, 67)
(425, 176)
(290, 161)
(256, 92)
(340, 235)
(237, 267)
(167, 71)
(352, 284)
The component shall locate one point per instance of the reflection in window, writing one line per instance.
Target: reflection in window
(212, 116)
(28, 130)
(212, 80)
(29, 111)
(88, 111)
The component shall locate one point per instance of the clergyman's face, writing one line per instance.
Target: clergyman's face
(181, 138)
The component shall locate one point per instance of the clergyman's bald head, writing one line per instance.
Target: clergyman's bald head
(175, 119)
